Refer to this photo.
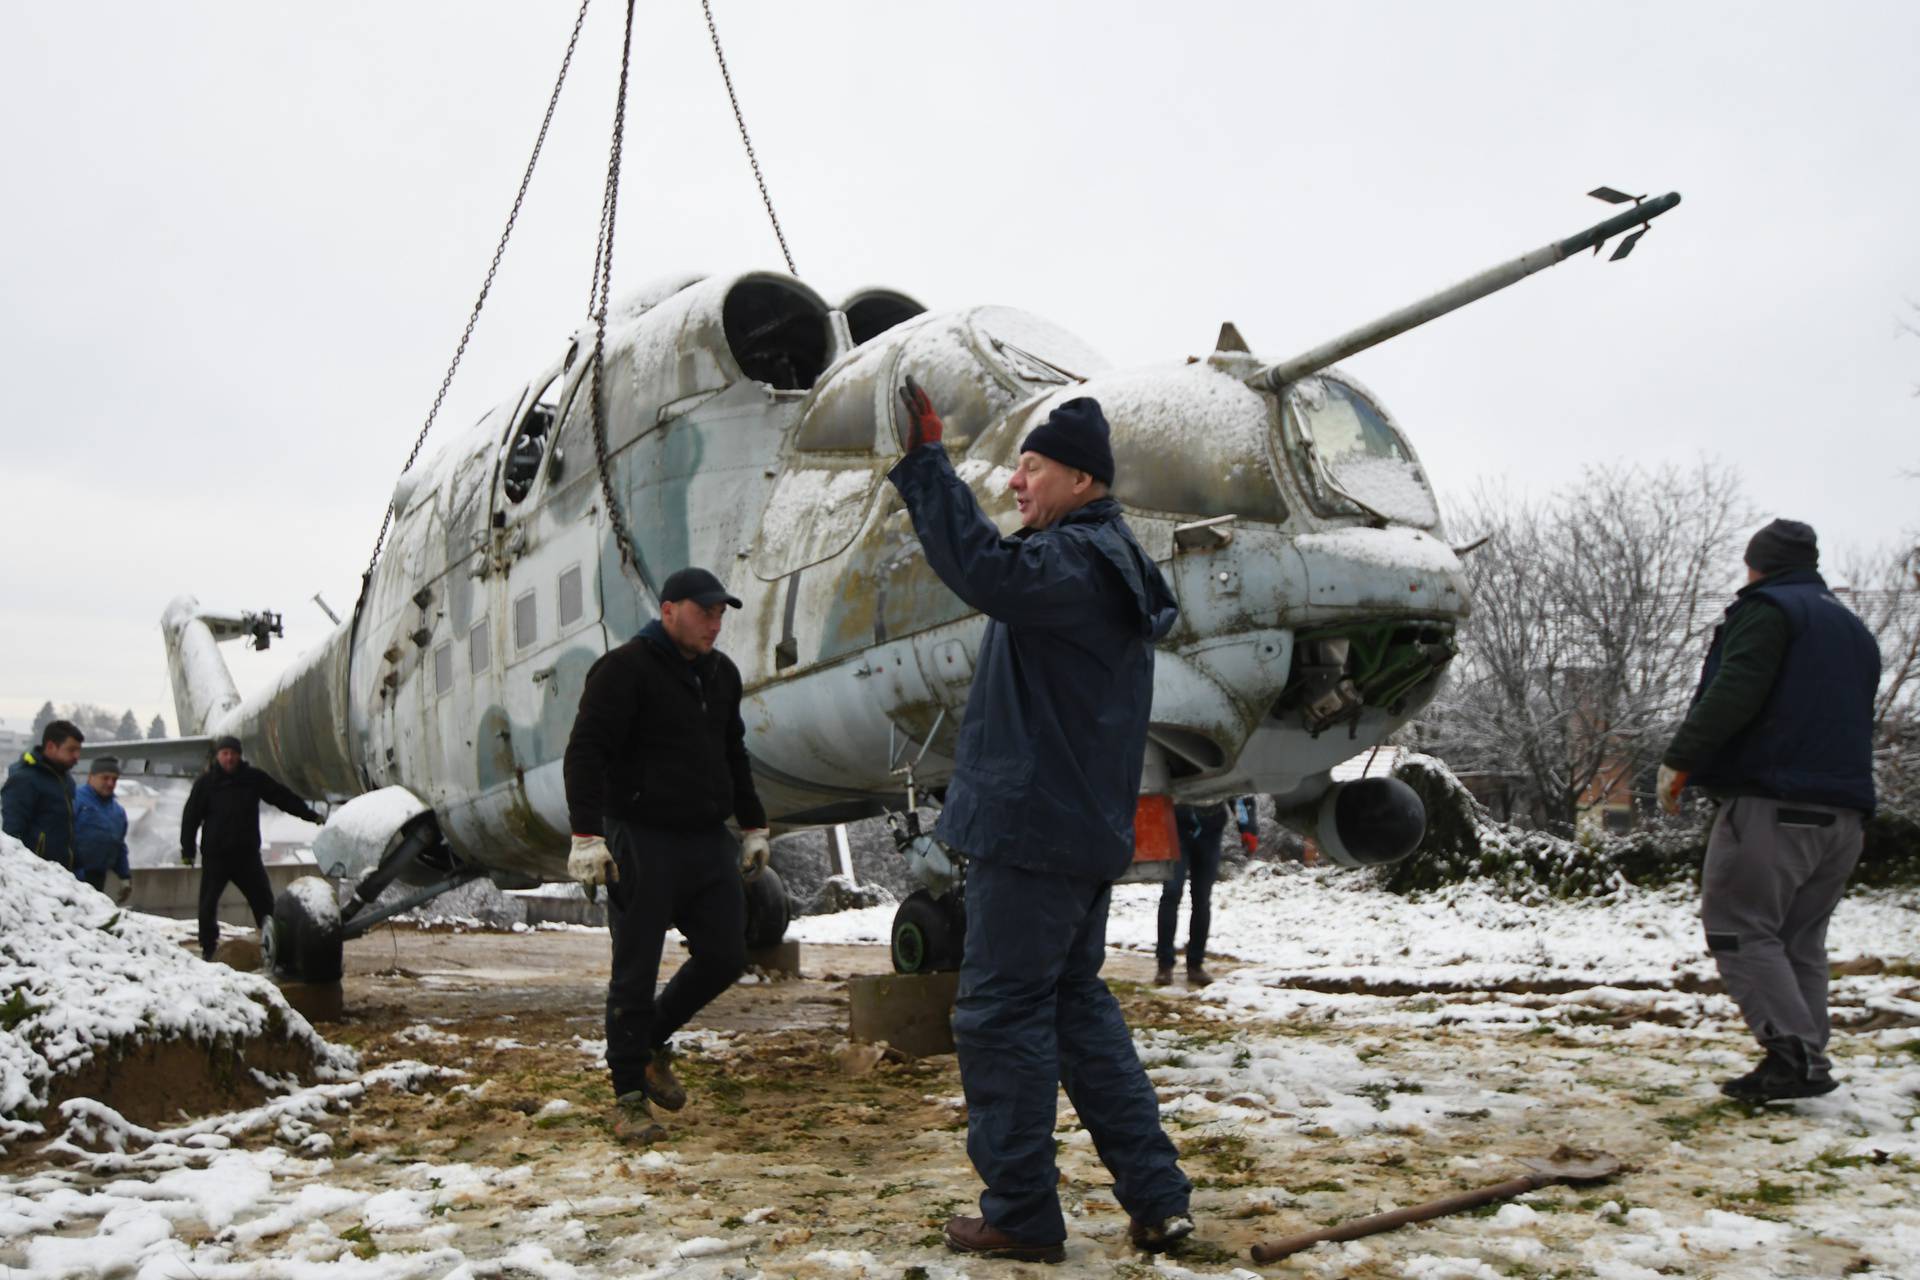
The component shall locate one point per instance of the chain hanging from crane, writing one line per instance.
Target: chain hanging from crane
(713, 31)
(486, 287)
(598, 301)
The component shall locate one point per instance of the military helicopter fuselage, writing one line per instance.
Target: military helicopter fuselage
(749, 429)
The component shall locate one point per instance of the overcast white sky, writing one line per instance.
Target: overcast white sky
(239, 241)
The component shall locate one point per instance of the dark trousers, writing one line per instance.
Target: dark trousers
(668, 879)
(1200, 863)
(1775, 871)
(1033, 1015)
(98, 879)
(245, 872)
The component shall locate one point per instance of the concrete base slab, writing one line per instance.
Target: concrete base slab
(175, 891)
(912, 1012)
(315, 1001)
(782, 957)
(239, 953)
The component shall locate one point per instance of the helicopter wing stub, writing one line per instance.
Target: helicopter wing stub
(151, 755)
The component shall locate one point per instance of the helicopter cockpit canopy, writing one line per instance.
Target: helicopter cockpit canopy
(1351, 459)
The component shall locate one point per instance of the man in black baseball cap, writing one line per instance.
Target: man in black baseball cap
(655, 766)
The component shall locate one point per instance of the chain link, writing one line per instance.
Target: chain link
(707, 8)
(466, 336)
(600, 298)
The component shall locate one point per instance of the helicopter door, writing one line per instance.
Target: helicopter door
(546, 597)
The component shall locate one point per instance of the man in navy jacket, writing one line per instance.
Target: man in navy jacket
(100, 829)
(36, 802)
(1781, 734)
(1045, 785)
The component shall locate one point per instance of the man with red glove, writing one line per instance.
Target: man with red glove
(655, 766)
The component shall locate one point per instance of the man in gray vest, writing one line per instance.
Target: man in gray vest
(1781, 735)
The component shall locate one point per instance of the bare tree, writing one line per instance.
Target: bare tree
(1884, 589)
(1591, 610)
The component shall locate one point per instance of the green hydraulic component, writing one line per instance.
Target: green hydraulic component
(1383, 670)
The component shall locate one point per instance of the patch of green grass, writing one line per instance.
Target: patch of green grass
(1766, 1192)
(1683, 1126)
(1224, 1153)
(1324, 1184)
(361, 1240)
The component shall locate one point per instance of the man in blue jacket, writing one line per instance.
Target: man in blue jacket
(1781, 734)
(100, 829)
(36, 802)
(1045, 784)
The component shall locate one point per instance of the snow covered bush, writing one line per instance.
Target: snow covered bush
(83, 983)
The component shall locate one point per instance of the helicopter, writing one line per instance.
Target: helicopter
(748, 428)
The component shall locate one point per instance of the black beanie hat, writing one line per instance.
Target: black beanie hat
(225, 741)
(1075, 434)
(1784, 544)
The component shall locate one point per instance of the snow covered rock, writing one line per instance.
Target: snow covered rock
(840, 893)
(100, 1002)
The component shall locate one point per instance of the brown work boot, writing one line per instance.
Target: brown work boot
(1158, 1237)
(983, 1240)
(660, 1082)
(1197, 976)
(633, 1122)
(1163, 976)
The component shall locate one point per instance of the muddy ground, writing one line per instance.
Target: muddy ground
(787, 1165)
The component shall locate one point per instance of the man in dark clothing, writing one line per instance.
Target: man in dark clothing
(100, 829)
(36, 801)
(223, 817)
(1781, 734)
(655, 766)
(1046, 781)
(1201, 828)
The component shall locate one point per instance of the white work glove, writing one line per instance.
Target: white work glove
(1667, 787)
(753, 852)
(124, 893)
(591, 862)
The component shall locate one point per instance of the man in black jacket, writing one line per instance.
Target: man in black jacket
(36, 802)
(1781, 734)
(655, 766)
(223, 815)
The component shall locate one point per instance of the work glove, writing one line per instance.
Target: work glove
(923, 424)
(186, 857)
(753, 850)
(1667, 789)
(124, 893)
(591, 862)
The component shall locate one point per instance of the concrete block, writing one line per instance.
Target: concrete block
(913, 1012)
(175, 891)
(239, 953)
(783, 958)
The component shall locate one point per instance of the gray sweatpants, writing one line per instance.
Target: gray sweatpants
(1775, 871)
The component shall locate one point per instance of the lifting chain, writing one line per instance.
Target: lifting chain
(707, 8)
(486, 286)
(598, 301)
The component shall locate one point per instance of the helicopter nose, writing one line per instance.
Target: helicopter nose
(1396, 571)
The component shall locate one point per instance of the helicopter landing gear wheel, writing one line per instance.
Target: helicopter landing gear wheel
(768, 910)
(304, 940)
(927, 934)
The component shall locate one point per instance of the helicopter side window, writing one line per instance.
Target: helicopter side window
(530, 443)
(479, 648)
(443, 667)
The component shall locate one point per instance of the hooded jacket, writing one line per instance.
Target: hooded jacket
(1047, 772)
(658, 741)
(36, 807)
(227, 806)
(100, 833)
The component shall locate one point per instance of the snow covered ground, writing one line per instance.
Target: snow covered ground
(1360, 1051)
